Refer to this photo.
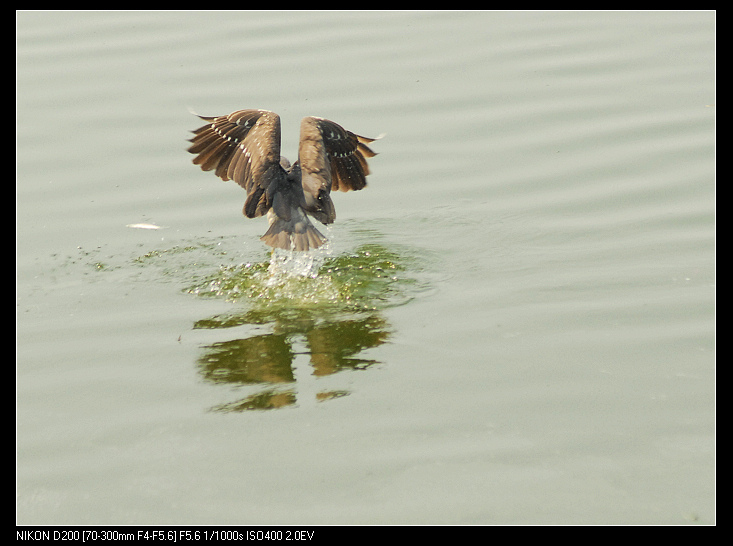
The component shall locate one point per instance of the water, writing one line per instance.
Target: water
(513, 323)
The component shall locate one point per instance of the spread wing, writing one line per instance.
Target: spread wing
(332, 158)
(245, 147)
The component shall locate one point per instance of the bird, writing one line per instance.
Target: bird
(244, 146)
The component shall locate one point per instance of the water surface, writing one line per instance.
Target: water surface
(513, 323)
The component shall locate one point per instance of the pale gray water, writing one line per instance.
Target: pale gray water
(514, 322)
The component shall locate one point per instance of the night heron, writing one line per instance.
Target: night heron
(245, 147)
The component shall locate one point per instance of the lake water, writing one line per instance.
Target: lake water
(514, 323)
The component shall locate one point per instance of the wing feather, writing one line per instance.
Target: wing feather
(243, 146)
(332, 158)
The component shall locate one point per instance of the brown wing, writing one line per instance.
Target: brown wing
(245, 147)
(332, 158)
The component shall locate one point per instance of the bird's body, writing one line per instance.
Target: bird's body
(245, 147)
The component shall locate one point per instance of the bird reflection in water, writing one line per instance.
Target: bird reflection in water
(323, 322)
(331, 346)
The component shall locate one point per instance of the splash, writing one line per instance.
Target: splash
(369, 278)
(287, 263)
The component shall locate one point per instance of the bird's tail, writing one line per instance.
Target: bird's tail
(298, 233)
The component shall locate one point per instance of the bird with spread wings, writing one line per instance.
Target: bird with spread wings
(245, 147)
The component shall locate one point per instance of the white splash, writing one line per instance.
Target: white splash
(291, 263)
